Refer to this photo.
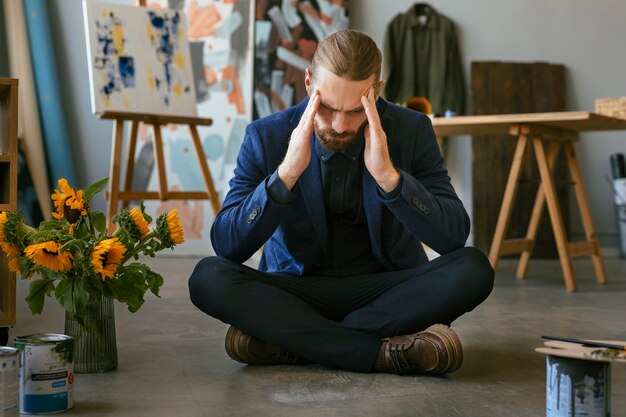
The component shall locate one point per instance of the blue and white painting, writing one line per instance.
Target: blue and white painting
(139, 60)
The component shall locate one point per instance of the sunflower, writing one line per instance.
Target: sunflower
(12, 252)
(170, 229)
(68, 202)
(7, 228)
(134, 223)
(107, 255)
(47, 254)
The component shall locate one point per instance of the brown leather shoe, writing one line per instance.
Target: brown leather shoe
(252, 351)
(436, 351)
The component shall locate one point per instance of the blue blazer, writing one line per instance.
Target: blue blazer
(294, 236)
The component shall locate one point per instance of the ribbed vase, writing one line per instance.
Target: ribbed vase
(95, 348)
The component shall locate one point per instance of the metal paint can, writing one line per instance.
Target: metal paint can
(576, 387)
(46, 376)
(9, 369)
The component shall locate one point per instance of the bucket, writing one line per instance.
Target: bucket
(9, 369)
(576, 387)
(46, 377)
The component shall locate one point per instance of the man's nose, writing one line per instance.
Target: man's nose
(340, 122)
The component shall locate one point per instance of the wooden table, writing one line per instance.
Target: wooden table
(555, 129)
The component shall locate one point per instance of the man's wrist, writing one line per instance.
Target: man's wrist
(286, 178)
(390, 181)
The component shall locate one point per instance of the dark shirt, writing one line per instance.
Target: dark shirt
(349, 250)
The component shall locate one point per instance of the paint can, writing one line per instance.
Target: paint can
(9, 369)
(46, 377)
(576, 387)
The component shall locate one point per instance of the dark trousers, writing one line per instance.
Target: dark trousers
(339, 321)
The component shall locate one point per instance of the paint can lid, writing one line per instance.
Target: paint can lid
(42, 339)
(7, 351)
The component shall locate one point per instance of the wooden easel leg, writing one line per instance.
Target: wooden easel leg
(204, 168)
(130, 161)
(160, 165)
(535, 218)
(555, 213)
(507, 201)
(114, 176)
(585, 213)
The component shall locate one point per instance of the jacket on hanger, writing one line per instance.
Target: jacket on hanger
(422, 59)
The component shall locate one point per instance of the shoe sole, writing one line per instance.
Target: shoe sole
(452, 344)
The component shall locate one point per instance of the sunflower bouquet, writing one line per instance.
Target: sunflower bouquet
(74, 257)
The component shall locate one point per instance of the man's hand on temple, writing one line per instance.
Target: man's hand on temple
(299, 152)
(376, 155)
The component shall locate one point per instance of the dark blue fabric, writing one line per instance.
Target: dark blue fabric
(294, 236)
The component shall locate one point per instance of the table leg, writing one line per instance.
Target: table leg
(585, 213)
(507, 201)
(555, 213)
(535, 218)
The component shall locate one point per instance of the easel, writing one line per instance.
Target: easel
(125, 194)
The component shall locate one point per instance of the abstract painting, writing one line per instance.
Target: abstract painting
(221, 50)
(139, 60)
(286, 36)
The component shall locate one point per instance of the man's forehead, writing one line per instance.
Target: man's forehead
(337, 107)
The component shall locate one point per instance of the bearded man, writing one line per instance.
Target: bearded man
(341, 191)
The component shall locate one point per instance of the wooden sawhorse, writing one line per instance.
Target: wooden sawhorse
(557, 129)
(125, 194)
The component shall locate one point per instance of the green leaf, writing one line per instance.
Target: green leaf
(99, 221)
(155, 281)
(37, 291)
(72, 296)
(95, 188)
(145, 215)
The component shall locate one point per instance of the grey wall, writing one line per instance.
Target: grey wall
(588, 37)
(90, 137)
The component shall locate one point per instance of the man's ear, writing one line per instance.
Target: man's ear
(307, 81)
(379, 88)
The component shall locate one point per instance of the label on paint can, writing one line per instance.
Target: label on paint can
(576, 387)
(46, 377)
(9, 369)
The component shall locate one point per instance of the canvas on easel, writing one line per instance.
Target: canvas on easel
(141, 72)
(139, 60)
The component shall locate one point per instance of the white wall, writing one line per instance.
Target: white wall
(588, 37)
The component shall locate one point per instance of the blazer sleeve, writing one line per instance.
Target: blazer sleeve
(428, 206)
(249, 216)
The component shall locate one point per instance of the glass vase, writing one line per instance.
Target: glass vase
(95, 348)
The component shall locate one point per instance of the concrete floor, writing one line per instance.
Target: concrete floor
(172, 361)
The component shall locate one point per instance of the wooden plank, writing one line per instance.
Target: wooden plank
(585, 212)
(575, 121)
(481, 157)
(554, 209)
(158, 119)
(508, 201)
(514, 246)
(578, 249)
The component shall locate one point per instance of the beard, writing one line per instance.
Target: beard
(333, 140)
